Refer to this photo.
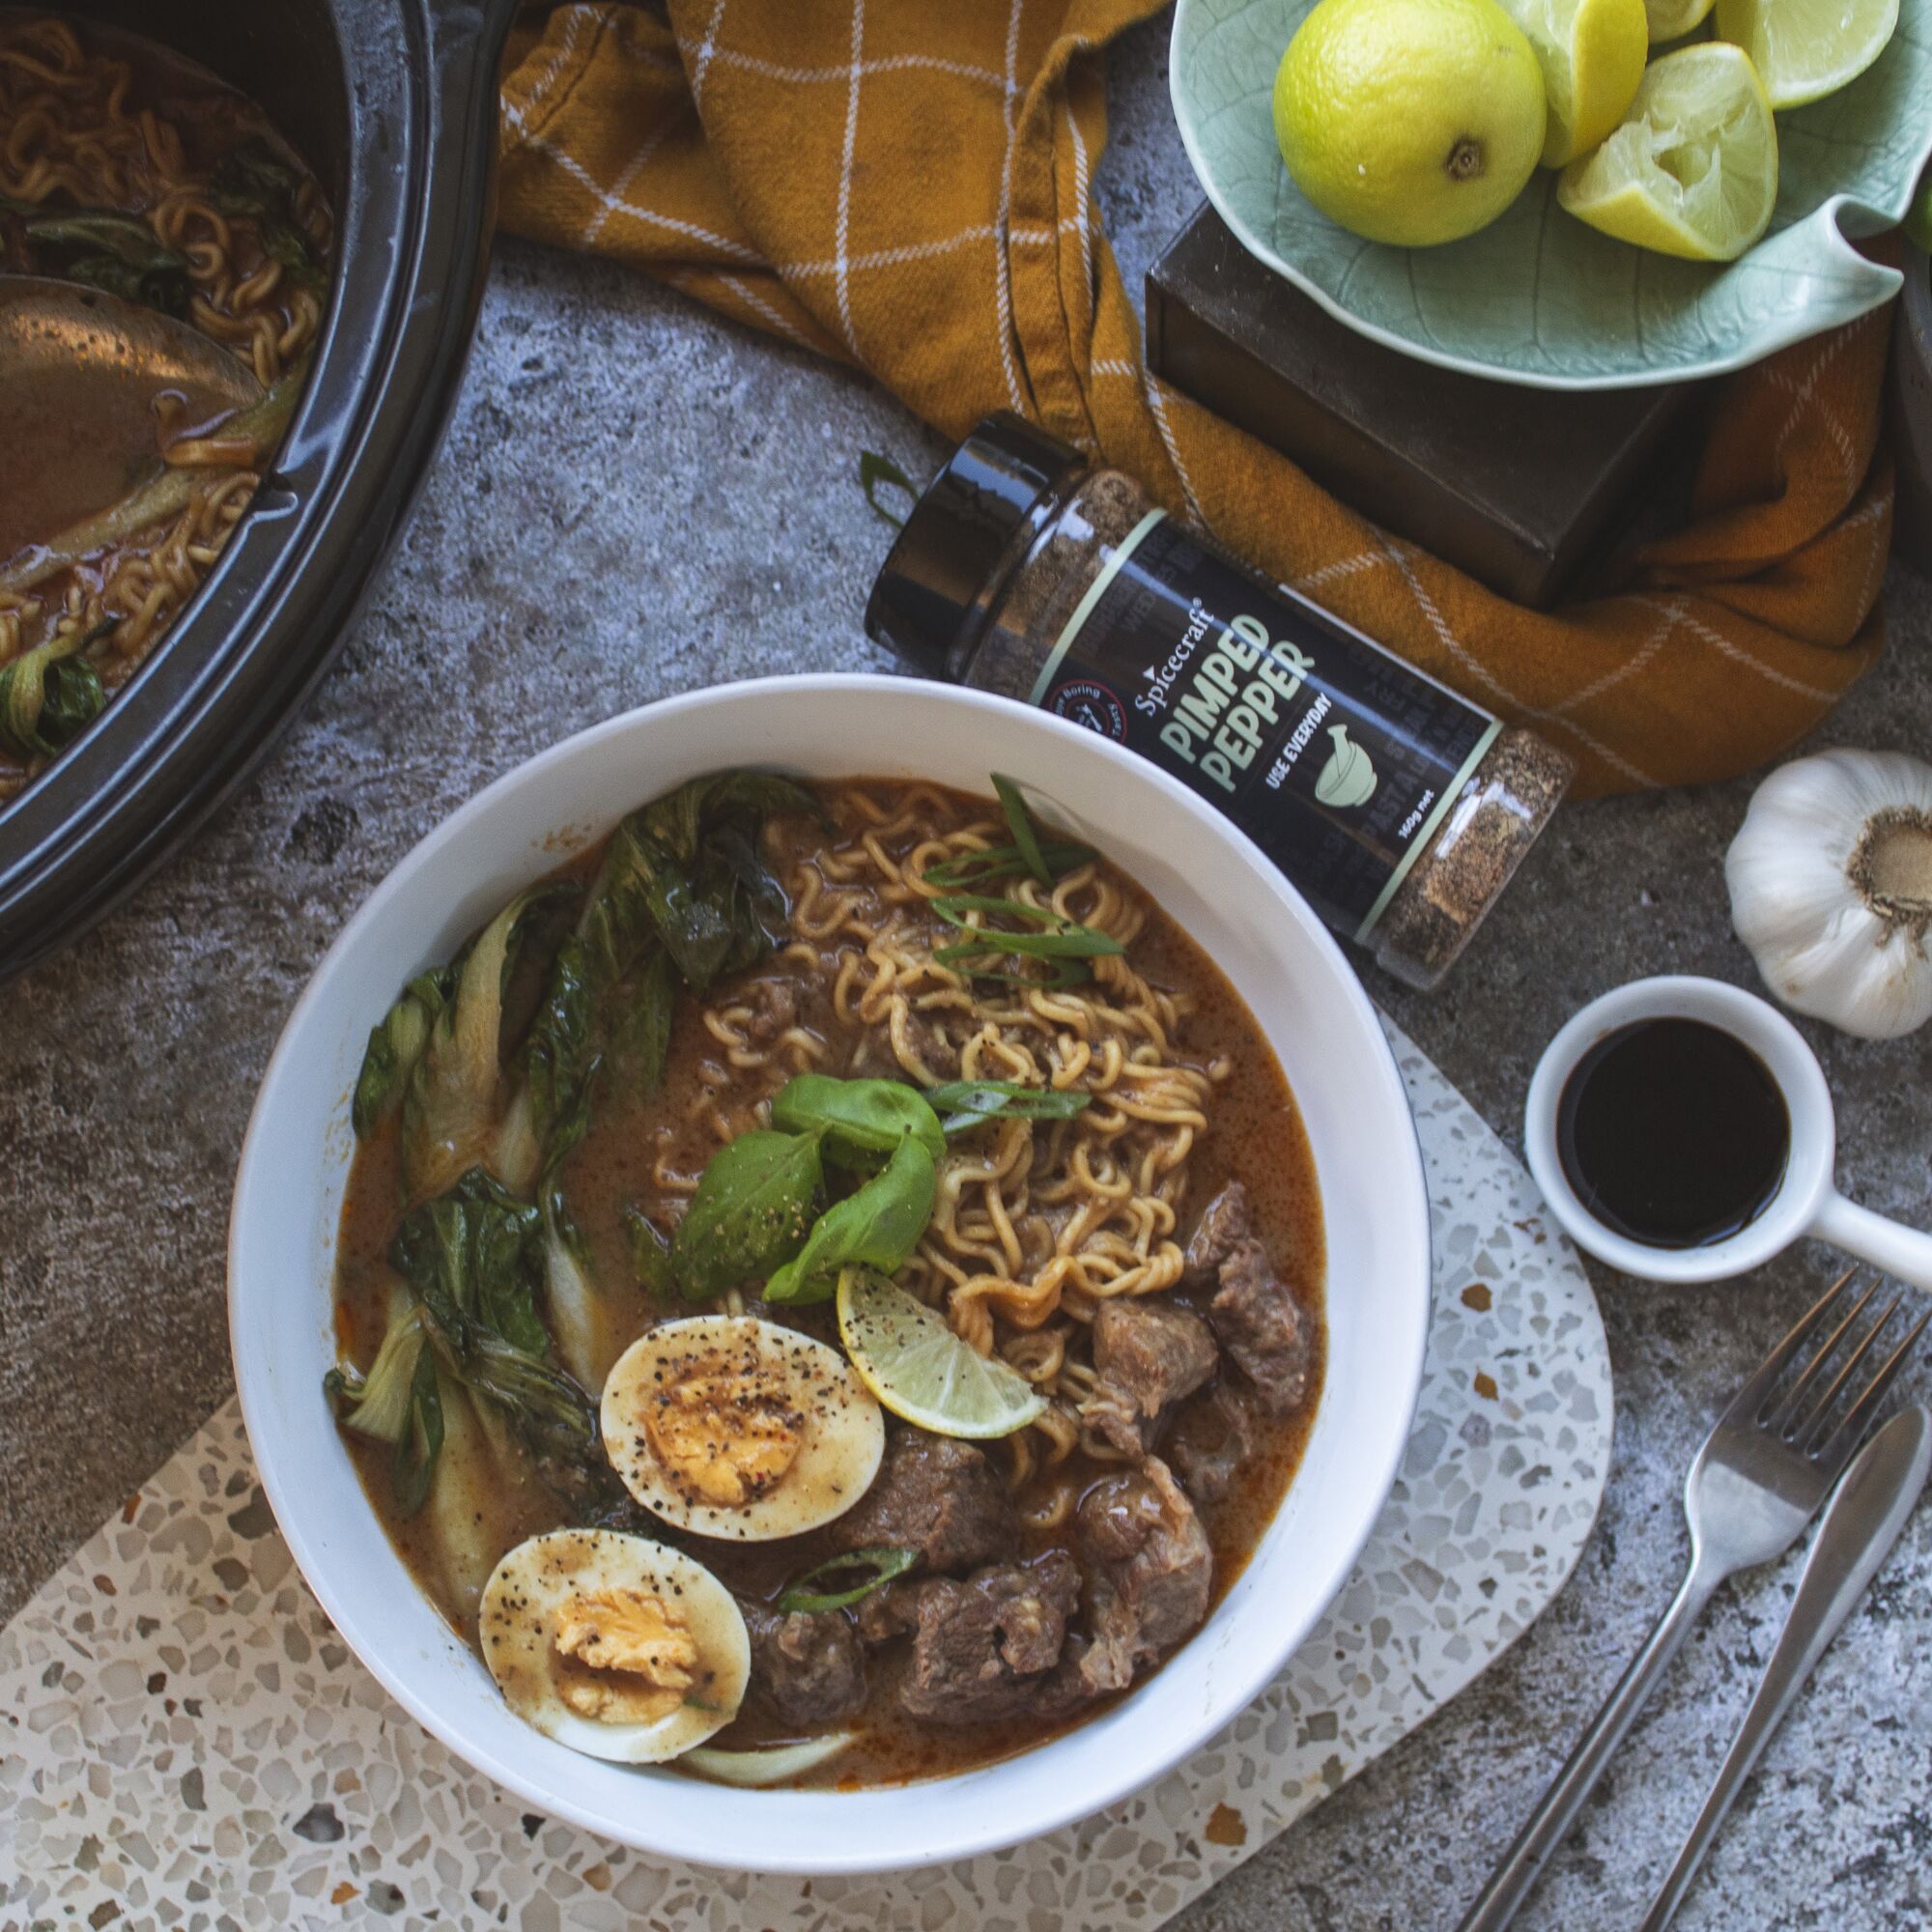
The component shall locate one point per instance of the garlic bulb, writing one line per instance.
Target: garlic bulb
(1831, 878)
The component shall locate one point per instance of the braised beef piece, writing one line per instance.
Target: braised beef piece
(981, 1649)
(810, 1665)
(934, 1494)
(774, 1007)
(887, 1613)
(1211, 1440)
(1147, 1355)
(1150, 1573)
(1255, 1315)
(1225, 1223)
(1262, 1326)
(928, 1044)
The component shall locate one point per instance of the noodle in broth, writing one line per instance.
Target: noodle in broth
(1038, 1227)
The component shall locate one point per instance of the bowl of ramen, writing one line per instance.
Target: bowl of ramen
(830, 1275)
(238, 273)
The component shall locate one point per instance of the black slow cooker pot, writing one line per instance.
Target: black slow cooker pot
(393, 103)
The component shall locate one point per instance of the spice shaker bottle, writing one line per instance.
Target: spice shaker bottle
(1397, 808)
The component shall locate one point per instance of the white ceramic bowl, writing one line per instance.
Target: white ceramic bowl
(289, 1192)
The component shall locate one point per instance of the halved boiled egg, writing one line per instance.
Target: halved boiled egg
(614, 1646)
(739, 1428)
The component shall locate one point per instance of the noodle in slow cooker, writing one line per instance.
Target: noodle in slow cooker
(74, 128)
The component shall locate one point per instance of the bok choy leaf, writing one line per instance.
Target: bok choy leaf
(396, 1045)
(50, 694)
(475, 1251)
(253, 183)
(105, 248)
(398, 1402)
(570, 1291)
(549, 1412)
(451, 1105)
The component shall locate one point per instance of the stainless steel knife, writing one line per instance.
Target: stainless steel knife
(1861, 1521)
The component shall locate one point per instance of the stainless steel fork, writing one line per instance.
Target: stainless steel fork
(1756, 1482)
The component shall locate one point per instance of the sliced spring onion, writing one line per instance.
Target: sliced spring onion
(977, 965)
(774, 1765)
(882, 1563)
(961, 1104)
(1058, 939)
(999, 861)
(1020, 822)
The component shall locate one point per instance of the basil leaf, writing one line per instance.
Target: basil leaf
(999, 861)
(863, 1121)
(971, 1103)
(49, 696)
(874, 1567)
(877, 1226)
(751, 1210)
(476, 1253)
(1019, 822)
(1058, 939)
(650, 1255)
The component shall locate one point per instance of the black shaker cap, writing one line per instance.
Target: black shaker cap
(944, 572)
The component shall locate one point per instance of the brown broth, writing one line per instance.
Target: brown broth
(1256, 1136)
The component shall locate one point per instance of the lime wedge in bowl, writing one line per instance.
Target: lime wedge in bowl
(1804, 49)
(1672, 19)
(920, 1370)
(1692, 169)
(1592, 54)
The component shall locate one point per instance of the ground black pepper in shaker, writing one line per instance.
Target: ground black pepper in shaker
(1398, 808)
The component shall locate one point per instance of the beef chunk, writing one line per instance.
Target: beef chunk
(889, 1612)
(1262, 1326)
(1147, 1355)
(1151, 1569)
(1255, 1315)
(1211, 1441)
(1225, 1223)
(773, 1005)
(981, 1649)
(924, 1036)
(936, 1495)
(809, 1666)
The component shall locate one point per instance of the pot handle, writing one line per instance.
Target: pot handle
(1889, 1245)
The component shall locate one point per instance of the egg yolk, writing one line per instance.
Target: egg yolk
(626, 1657)
(722, 1435)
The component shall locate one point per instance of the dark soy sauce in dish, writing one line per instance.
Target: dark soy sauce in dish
(1673, 1133)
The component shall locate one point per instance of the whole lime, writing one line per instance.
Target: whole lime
(1411, 122)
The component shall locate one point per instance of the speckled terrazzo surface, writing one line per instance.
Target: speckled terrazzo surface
(187, 1742)
(636, 499)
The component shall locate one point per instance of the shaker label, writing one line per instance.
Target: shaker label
(1336, 758)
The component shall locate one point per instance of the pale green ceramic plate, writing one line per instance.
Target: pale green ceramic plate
(1537, 298)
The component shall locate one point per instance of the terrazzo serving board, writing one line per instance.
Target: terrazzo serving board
(187, 1742)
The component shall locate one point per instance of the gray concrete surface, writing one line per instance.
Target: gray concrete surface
(637, 498)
